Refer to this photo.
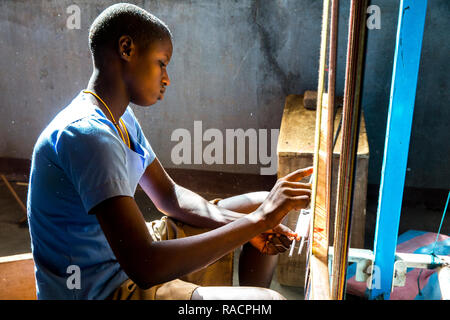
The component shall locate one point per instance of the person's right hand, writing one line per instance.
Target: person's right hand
(286, 195)
(274, 241)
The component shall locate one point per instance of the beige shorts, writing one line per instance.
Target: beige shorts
(220, 273)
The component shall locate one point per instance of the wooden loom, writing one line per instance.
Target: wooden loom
(318, 285)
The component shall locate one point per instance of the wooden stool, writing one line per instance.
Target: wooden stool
(295, 150)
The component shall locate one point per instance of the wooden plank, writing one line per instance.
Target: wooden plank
(318, 240)
(350, 128)
(16, 257)
(320, 284)
(319, 203)
(319, 230)
(331, 102)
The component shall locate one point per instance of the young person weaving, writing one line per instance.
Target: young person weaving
(86, 165)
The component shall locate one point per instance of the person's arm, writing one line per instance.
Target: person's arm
(149, 263)
(181, 203)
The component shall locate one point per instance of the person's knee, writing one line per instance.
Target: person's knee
(259, 293)
(196, 295)
(235, 293)
(272, 294)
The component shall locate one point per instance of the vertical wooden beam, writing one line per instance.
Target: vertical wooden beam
(320, 236)
(331, 101)
(411, 22)
(350, 128)
(318, 250)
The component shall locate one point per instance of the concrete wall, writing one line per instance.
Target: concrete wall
(233, 64)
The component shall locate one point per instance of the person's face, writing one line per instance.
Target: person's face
(148, 77)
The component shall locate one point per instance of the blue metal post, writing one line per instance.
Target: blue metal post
(411, 21)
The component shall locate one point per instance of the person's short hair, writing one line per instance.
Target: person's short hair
(125, 19)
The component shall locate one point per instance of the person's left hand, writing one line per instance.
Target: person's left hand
(274, 241)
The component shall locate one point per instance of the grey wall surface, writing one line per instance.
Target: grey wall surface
(234, 62)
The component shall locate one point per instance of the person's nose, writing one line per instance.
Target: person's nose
(166, 79)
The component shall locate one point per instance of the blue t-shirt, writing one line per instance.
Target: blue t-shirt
(78, 161)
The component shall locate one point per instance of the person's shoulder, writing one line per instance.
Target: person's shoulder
(80, 123)
(77, 109)
(89, 129)
(80, 118)
(86, 139)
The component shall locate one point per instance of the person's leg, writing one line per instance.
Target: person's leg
(235, 293)
(255, 268)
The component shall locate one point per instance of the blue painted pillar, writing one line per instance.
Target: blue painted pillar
(411, 21)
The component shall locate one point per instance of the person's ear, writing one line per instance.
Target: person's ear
(126, 47)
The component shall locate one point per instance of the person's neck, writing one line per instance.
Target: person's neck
(111, 91)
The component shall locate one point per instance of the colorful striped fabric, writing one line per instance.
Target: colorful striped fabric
(421, 284)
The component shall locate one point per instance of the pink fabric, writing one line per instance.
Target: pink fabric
(410, 290)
